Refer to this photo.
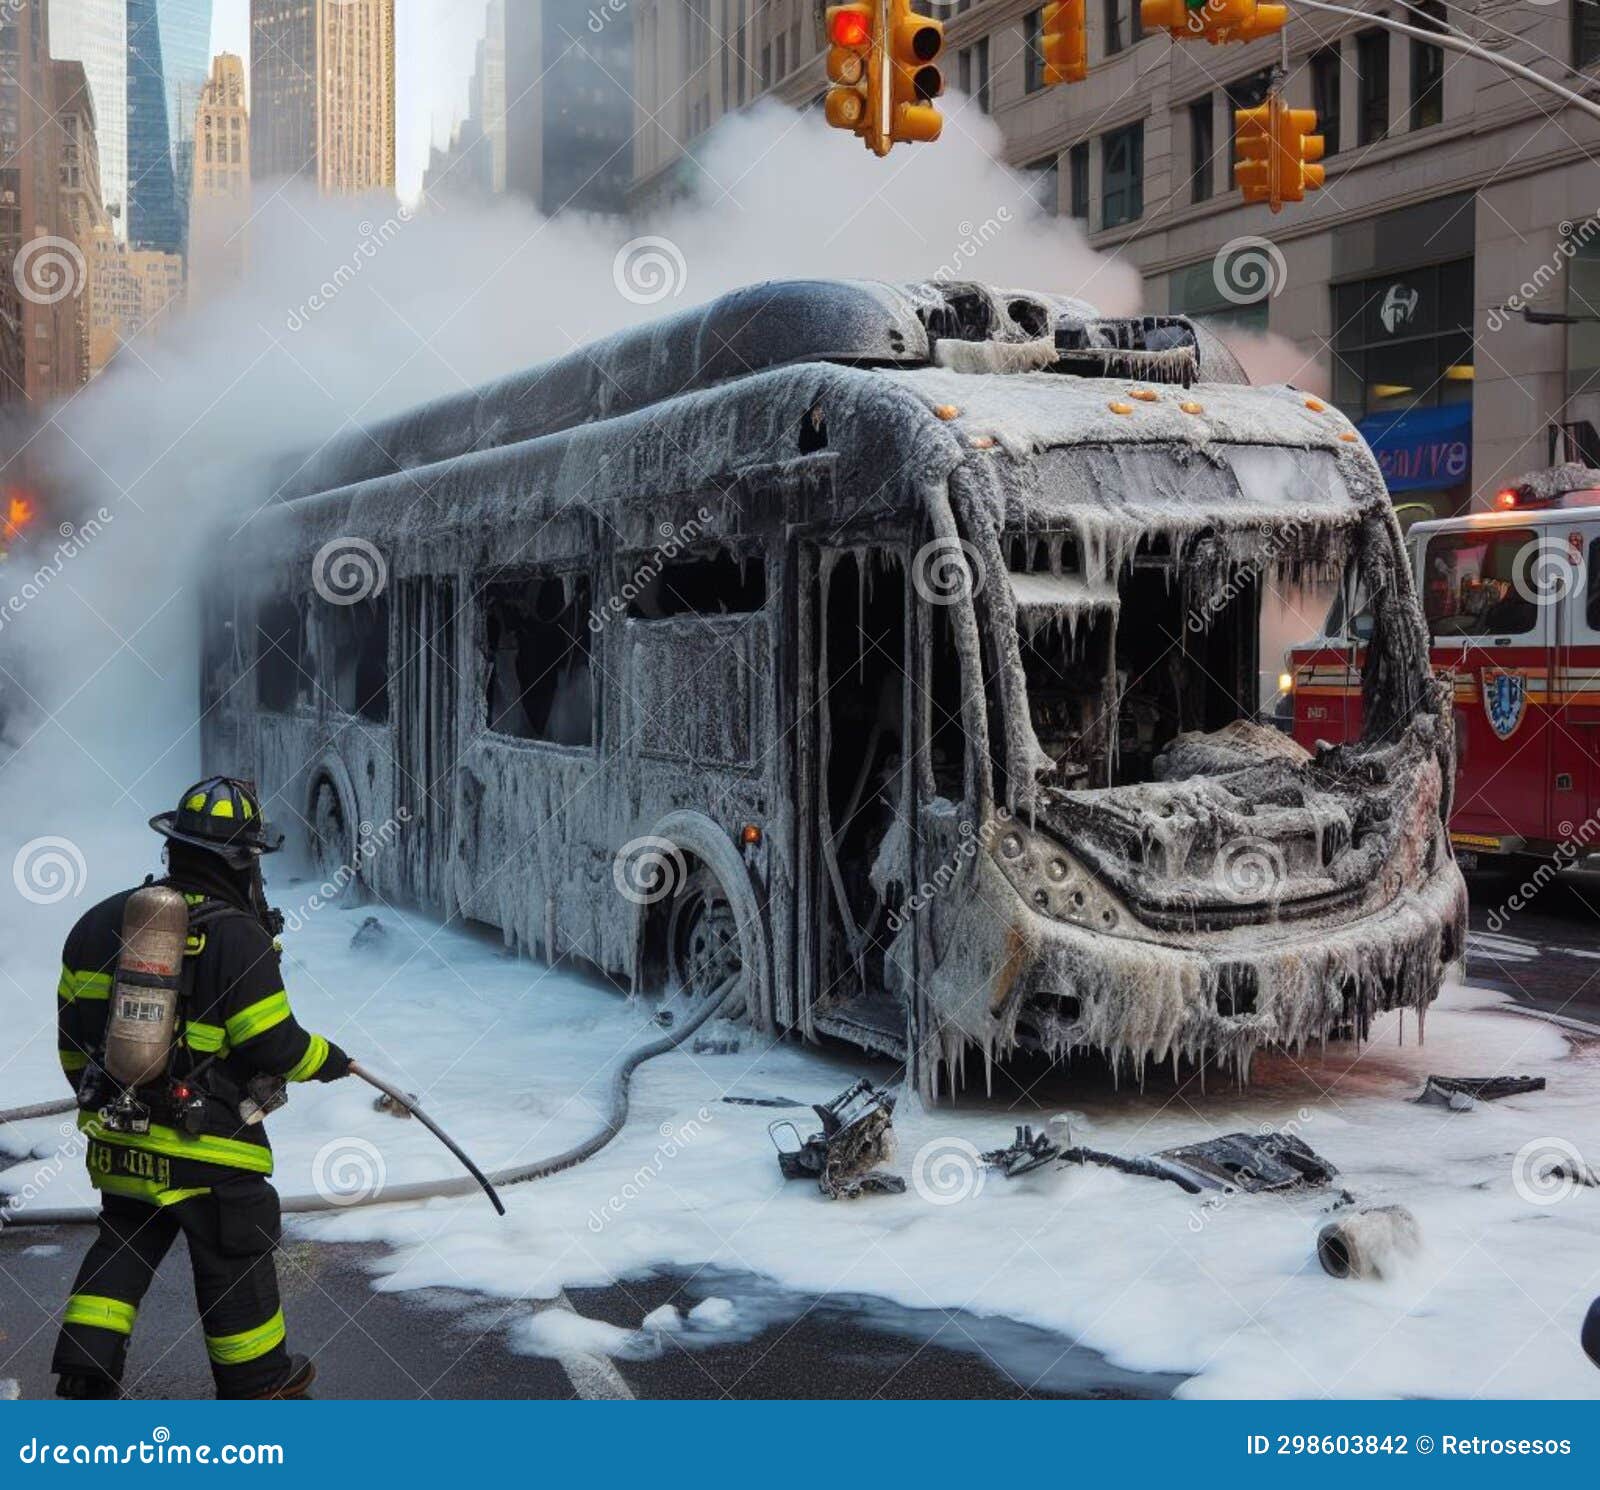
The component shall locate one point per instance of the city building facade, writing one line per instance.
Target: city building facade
(1444, 286)
(95, 33)
(219, 205)
(168, 47)
(570, 110)
(82, 207)
(322, 92)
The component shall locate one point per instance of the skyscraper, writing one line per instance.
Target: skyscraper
(167, 49)
(82, 204)
(95, 33)
(219, 206)
(38, 274)
(569, 118)
(322, 92)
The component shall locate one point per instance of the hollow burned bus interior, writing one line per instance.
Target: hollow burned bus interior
(897, 646)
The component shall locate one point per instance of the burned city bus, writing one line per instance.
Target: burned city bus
(895, 648)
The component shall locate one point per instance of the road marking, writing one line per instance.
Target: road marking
(594, 1378)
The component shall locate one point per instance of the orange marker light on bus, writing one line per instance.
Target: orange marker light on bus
(1118, 407)
(750, 835)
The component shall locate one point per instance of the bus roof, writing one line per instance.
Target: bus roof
(778, 324)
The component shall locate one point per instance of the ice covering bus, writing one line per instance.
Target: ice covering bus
(1511, 597)
(895, 646)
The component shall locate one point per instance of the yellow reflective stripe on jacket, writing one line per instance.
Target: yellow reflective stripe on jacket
(247, 1345)
(101, 1313)
(146, 1190)
(311, 1062)
(203, 1148)
(208, 1039)
(89, 986)
(73, 1061)
(258, 1018)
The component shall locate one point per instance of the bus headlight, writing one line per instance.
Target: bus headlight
(1052, 882)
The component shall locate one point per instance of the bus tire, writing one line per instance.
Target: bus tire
(715, 877)
(333, 848)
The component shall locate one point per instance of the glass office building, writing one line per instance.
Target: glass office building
(168, 56)
(95, 33)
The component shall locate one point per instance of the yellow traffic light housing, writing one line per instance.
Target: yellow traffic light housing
(848, 104)
(1277, 151)
(916, 42)
(1065, 38)
(1216, 21)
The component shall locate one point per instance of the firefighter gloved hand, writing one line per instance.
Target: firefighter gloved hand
(337, 1065)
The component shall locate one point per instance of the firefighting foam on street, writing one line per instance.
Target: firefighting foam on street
(760, 768)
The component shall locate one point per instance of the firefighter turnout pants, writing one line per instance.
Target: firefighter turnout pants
(232, 1231)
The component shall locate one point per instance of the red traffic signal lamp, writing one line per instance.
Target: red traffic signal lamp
(1277, 152)
(915, 80)
(848, 104)
(1064, 35)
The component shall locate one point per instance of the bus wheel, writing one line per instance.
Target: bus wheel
(702, 938)
(332, 841)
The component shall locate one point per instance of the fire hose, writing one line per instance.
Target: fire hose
(610, 1125)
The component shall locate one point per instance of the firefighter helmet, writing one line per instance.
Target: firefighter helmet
(224, 816)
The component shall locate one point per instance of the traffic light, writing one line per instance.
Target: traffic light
(1065, 36)
(1216, 21)
(915, 44)
(1298, 147)
(1276, 153)
(848, 104)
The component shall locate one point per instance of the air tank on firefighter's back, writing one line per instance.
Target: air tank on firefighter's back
(144, 996)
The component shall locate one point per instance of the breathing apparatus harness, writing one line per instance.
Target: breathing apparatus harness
(151, 1000)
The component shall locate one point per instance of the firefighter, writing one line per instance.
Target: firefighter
(177, 1155)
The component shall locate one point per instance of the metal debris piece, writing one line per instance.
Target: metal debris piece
(1369, 1244)
(1251, 1162)
(1030, 1151)
(716, 1045)
(736, 1101)
(383, 1102)
(857, 1134)
(369, 935)
(1463, 1093)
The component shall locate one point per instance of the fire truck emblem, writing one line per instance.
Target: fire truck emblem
(1505, 699)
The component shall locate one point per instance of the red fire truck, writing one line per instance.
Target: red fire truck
(1512, 599)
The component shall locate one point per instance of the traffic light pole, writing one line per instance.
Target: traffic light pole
(1452, 43)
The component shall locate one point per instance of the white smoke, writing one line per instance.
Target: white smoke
(353, 313)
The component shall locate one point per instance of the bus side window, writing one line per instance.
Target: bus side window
(541, 674)
(711, 582)
(283, 674)
(357, 638)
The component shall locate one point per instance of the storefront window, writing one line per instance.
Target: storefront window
(1404, 340)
